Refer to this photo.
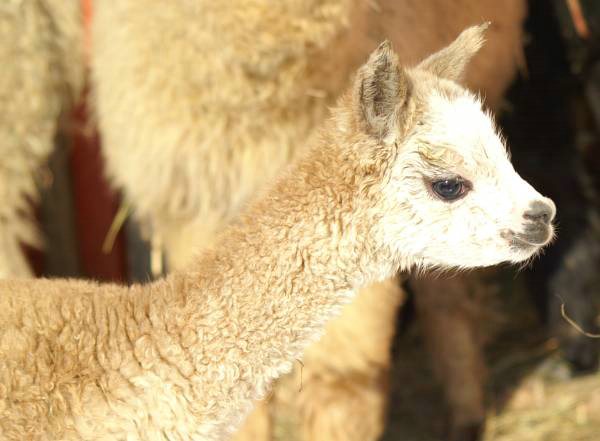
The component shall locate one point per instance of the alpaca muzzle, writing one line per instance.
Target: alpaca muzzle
(537, 231)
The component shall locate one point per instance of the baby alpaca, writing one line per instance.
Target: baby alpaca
(408, 172)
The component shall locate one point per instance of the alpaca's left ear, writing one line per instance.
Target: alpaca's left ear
(381, 87)
(451, 61)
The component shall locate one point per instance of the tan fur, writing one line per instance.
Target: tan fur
(191, 142)
(42, 72)
(185, 357)
(346, 371)
(203, 122)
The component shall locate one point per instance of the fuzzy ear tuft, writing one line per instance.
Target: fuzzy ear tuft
(451, 61)
(381, 86)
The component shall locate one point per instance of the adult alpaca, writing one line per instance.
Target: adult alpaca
(408, 155)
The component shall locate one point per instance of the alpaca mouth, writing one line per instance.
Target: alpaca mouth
(519, 244)
(535, 233)
(532, 237)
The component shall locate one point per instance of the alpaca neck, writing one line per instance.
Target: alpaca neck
(271, 284)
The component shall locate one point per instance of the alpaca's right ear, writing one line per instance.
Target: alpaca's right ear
(452, 61)
(381, 87)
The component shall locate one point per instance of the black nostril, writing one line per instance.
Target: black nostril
(539, 212)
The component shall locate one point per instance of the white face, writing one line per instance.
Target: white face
(456, 190)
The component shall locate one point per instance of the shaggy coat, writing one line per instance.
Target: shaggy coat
(185, 357)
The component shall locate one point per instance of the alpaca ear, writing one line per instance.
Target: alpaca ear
(451, 61)
(381, 86)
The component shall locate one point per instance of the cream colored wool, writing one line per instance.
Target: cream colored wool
(42, 72)
(197, 116)
(184, 357)
(197, 95)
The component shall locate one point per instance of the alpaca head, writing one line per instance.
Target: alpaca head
(451, 195)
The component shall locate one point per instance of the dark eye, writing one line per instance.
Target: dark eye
(449, 189)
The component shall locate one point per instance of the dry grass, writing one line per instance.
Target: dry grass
(543, 410)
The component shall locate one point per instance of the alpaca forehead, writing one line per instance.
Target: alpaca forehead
(461, 118)
(461, 126)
